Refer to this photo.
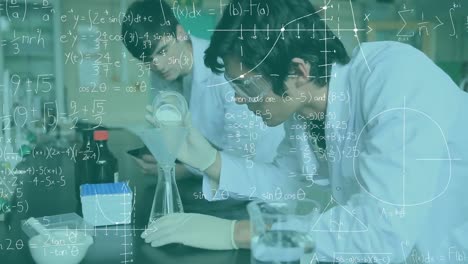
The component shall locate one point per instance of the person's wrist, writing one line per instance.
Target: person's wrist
(233, 227)
(209, 158)
(242, 234)
(214, 171)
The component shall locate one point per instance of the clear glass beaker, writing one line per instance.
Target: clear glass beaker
(172, 102)
(281, 230)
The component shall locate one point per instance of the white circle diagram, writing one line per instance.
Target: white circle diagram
(406, 172)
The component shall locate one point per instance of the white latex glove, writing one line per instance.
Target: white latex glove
(195, 230)
(196, 151)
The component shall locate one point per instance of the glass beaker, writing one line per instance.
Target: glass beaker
(164, 141)
(169, 109)
(281, 230)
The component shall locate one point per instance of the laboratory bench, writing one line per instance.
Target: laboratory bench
(112, 244)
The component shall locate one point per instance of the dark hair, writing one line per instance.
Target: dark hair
(144, 24)
(276, 52)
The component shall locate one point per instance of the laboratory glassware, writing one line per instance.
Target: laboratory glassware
(281, 230)
(107, 170)
(85, 164)
(170, 112)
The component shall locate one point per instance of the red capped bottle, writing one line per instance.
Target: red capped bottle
(106, 164)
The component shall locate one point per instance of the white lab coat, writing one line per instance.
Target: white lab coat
(394, 121)
(227, 125)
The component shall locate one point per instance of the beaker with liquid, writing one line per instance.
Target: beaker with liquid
(170, 111)
(281, 230)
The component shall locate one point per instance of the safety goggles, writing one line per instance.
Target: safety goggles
(255, 87)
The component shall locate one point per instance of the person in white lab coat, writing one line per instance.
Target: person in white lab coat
(175, 60)
(387, 128)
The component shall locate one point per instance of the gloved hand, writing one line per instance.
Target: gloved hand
(195, 230)
(196, 150)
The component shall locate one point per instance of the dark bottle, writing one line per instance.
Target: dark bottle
(106, 163)
(85, 167)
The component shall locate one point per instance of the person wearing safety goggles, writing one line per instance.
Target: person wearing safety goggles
(384, 127)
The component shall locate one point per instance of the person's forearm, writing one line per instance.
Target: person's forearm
(242, 234)
(214, 171)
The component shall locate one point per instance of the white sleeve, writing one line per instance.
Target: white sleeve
(373, 221)
(400, 168)
(256, 179)
(248, 150)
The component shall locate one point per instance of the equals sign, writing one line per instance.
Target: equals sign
(116, 89)
(211, 11)
(127, 244)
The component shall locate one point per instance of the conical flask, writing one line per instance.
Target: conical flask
(166, 197)
(164, 141)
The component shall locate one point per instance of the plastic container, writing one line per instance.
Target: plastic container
(67, 242)
(107, 203)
